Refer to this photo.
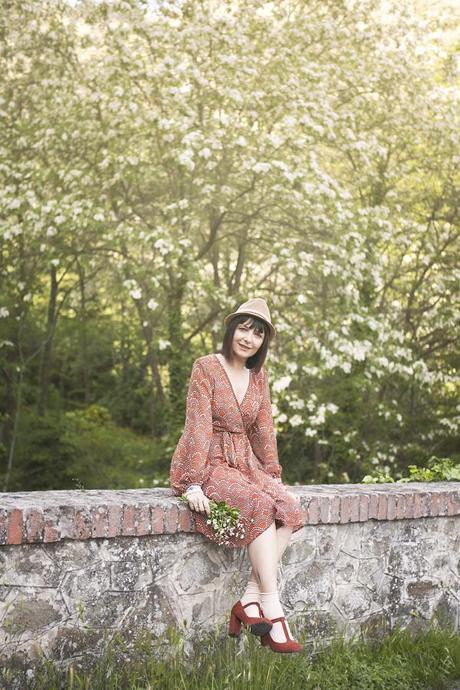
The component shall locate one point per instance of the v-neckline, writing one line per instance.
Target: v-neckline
(231, 385)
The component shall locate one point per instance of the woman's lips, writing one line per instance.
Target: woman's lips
(244, 348)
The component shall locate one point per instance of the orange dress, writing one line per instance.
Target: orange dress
(230, 450)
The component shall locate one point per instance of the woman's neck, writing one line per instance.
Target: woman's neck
(235, 363)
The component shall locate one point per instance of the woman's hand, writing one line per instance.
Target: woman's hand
(198, 501)
(278, 480)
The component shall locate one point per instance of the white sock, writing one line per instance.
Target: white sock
(271, 607)
(251, 593)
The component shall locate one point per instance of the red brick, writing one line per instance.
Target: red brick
(435, 504)
(334, 509)
(34, 525)
(364, 503)
(324, 507)
(171, 519)
(100, 521)
(391, 507)
(426, 504)
(383, 507)
(185, 520)
(374, 506)
(417, 505)
(453, 503)
(313, 511)
(400, 506)
(345, 508)
(143, 523)
(443, 503)
(409, 505)
(354, 508)
(15, 527)
(127, 521)
(114, 521)
(157, 520)
(51, 532)
(83, 524)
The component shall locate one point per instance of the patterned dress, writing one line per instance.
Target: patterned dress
(230, 450)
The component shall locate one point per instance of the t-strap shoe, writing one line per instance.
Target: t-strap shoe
(290, 646)
(257, 625)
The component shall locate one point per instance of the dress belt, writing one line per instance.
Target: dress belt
(228, 449)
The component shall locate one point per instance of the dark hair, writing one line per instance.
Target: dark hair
(255, 361)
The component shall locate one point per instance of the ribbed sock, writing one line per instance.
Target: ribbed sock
(271, 607)
(251, 593)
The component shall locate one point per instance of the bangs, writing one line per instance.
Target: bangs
(254, 323)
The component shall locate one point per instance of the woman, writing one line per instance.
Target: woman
(228, 452)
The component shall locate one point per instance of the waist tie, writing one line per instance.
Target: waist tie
(228, 448)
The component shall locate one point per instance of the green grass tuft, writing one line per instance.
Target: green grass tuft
(403, 660)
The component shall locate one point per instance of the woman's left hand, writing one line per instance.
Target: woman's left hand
(297, 498)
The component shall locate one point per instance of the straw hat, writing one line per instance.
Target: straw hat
(254, 307)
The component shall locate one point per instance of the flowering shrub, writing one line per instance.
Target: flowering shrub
(438, 469)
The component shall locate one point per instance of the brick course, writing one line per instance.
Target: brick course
(50, 516)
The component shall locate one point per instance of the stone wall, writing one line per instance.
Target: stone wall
(75, 565)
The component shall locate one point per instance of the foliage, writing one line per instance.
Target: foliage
(161, 162)
(437, 470)
(402, 660)
(85, 450)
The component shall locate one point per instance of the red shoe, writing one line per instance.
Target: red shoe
(257, 625)
(290, 646)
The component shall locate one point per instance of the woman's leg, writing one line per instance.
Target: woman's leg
(283, 536)
(263, 554)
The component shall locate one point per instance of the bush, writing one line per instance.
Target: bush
(437, 470)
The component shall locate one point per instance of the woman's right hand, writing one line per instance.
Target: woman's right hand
(198, 501)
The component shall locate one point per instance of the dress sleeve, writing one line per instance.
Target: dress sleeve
(262, 436)
(189, 459)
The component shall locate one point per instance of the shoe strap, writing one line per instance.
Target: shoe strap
(252, 603)
(282, 619)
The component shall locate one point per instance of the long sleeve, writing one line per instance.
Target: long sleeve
(262, 434)
(188, 464)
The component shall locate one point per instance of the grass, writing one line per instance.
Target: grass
(426, 660)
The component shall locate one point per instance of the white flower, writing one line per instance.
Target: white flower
(310, 432)
(185, 159)
(163, 344)
(282, 383)
(152, 304)
(4, 312)
(282, 418)
(261, 167)
(136, 294)
(296, 420)
(55, 262)
(205, 153)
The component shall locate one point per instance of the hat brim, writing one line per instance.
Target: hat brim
(271, 328)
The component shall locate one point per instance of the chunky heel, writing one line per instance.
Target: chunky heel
(234, 628)
(258, 625)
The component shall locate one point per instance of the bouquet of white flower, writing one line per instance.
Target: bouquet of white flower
(225, 521)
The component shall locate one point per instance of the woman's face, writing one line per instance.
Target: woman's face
(246, 341)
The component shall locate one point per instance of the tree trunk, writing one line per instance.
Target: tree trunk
(45, 362)
(83, 337)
